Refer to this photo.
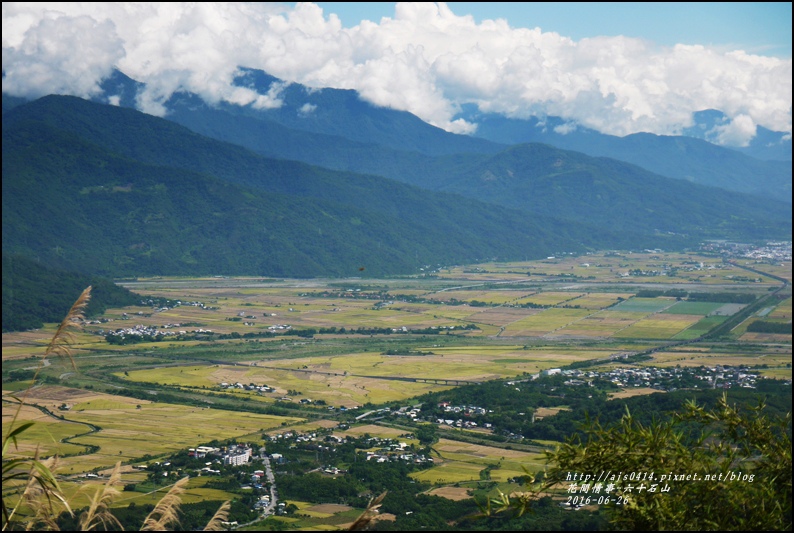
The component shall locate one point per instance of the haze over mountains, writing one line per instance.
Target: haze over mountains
(106, 189)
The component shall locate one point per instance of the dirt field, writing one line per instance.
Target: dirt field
(451, 493)
(379, 431)
(330, 508)
(542, 412)
(628, 393)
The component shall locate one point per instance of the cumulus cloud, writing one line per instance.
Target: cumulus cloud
(737, 132)
(306, 109)
(425, 59)
(61, 55)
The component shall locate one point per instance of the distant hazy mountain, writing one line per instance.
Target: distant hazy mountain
(350, 134)
(681, 157)
(614, 195)
(767, 144)
(344, 114)
(109, 190)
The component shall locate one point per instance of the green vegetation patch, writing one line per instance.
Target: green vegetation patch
(700, 328)
(693, 308)
(644, 305)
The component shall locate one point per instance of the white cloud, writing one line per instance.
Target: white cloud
(306, 109)
(60, 55)
(425, 59)
(565, 129)
(737, 132)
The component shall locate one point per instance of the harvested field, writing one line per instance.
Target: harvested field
(452, 493)
(543, 412)
(658, 326)
(544, 323)
(375, 431)
(329, 508)
(636, 391)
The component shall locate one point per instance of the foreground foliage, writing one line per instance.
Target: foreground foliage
(748, 453)
(40, 494)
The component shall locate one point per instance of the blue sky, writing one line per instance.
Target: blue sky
(762, 28)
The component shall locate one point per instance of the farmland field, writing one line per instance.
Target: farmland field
(353, 379)
(659, 326)
(461, 462)
(130, 428)
(645, 305)
(544, 323)
(693, 308)
(385, 343)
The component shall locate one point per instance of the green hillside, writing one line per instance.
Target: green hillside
(34, 293)
(191, 205)
(539, 178)
(616, 195)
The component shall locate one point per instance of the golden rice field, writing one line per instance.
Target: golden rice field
(78, 492)
(351, 380)
(336, 390)
(658, 326)
(127, 431)
(601, 324)
(45, 435)
(782, 311)
(544, 323)
(635, 391)
(782, 270)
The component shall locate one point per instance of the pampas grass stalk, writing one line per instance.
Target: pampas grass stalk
(167, 510)
(59, 345)
(369, 513)
(41, 485)
(41, 495)
(98, 511)
(221, 515)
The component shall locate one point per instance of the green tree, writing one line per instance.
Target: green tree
(426, 434)
(747, 452)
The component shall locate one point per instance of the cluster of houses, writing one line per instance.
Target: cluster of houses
(236, 455)
(661, 378)
(771, 252)
(156, 304)
(397, 454)
(674, 378)
(250, 386)
(382, 450)
(464, 410)
(293, 436)
(391, 450)
(166, 330)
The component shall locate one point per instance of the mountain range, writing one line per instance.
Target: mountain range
(343, 115)
(329, 185)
